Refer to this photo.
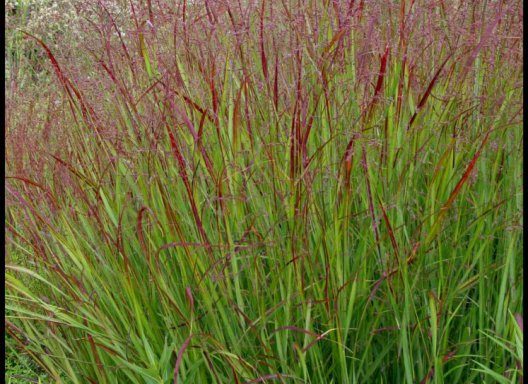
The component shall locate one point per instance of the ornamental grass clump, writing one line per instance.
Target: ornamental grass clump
(268, 191)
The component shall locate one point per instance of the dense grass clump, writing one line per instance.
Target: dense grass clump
(247, 191)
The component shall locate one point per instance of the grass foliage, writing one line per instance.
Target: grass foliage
(19, 369)
(268, 191)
